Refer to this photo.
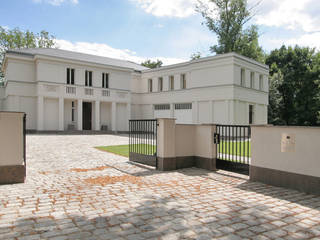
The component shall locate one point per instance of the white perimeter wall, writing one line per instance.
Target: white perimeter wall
(304, 159)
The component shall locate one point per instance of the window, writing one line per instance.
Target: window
(261, 82)
(149, 85)
(160, 84)
(70, 76)
(88, 79)
(183, 81)
(251, 114)
(72, 111)
(243, 77)
(183, 106)
(162, 107)
(171, 83)
(252, 79)
(105, 80)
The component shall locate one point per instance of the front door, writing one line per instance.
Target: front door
(86, 115)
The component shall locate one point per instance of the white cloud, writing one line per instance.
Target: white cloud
(306, 40)
(56, 2)
(168, 8)
(108, 51)
(290, 14)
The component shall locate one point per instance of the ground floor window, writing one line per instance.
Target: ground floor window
(181, 106)
(162, 107)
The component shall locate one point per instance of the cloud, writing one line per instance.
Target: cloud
(105, 50)
(289, 14)
(306, 40)
(168, 8)
(56, 2)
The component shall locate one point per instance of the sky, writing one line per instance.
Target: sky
(169, 30)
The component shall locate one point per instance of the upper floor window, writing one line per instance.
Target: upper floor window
(149, 85)
(160, 84)
(171, 82)
(261, 82)
(252, 79)
(105, 80)
(70, 76)
(243, 77)
(183, 81)
(88, 79)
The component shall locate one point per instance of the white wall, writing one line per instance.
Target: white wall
(183, 116)
(105, 114)
(304, 159)
(28, 105)
(25, 73)
(51, 114)
(122, 117)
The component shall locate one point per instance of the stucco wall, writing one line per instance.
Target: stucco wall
(11, 138)
(51, 114)
(105, 114)
(304, 159)
(184, 140)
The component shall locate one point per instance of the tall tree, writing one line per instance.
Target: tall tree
(15, 38)
(226, 18)
(294, 86)
(152, 64)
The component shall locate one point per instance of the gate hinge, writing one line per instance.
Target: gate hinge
(216, 138)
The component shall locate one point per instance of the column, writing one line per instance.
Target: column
(61, 114)
(40, 113)
(195, 114)
(231, 110)
(97, 115)
(211, 119)
(129, 114)
(114, 116)
(79, 110)
(172, 110)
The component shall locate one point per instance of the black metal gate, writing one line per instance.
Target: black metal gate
(143, 141)
(233, 147)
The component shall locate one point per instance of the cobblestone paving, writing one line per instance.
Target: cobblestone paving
(74, 191)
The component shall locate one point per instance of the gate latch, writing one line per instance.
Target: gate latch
(216, 138)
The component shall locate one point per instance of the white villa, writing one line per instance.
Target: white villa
(62, 90)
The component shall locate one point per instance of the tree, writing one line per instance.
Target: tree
(152, 64)
(195, 56)
(15, 38)
(227, 19)
(294, 86)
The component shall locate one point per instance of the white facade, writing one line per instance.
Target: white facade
(207, 90)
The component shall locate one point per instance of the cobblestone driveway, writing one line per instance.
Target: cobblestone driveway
(74, 191)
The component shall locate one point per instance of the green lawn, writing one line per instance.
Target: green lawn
(239, 148)
(123, 150)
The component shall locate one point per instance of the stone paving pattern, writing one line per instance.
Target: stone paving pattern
(74, 191)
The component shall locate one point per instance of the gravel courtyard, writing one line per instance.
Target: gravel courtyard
(74, 191)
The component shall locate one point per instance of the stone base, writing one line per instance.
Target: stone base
(169, 164)
(12, 174)
(300, 182)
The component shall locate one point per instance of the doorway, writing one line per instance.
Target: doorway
(87, 115)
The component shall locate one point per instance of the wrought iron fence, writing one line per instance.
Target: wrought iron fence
(143, 141)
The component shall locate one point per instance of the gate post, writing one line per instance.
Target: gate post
(166, 154)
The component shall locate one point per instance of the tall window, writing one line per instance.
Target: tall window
(70, 76)
(171, 83)
(183, 81)
(160, 84)
(261, 82)
(149, 85)
(251, 114)
(252, 79)
(105, 80)
(72, 111)
(243, 77)
(88, 79)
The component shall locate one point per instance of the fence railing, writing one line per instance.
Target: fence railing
(233, 145)
(143, 141)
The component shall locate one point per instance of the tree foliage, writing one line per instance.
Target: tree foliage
(227, 19)
(294, 86)
(195, 56)
(152, 64)
(15, 38)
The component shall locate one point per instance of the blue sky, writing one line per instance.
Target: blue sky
(165, 29)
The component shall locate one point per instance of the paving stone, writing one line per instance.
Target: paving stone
(61, 201)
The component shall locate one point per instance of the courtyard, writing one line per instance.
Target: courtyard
(75, 191)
